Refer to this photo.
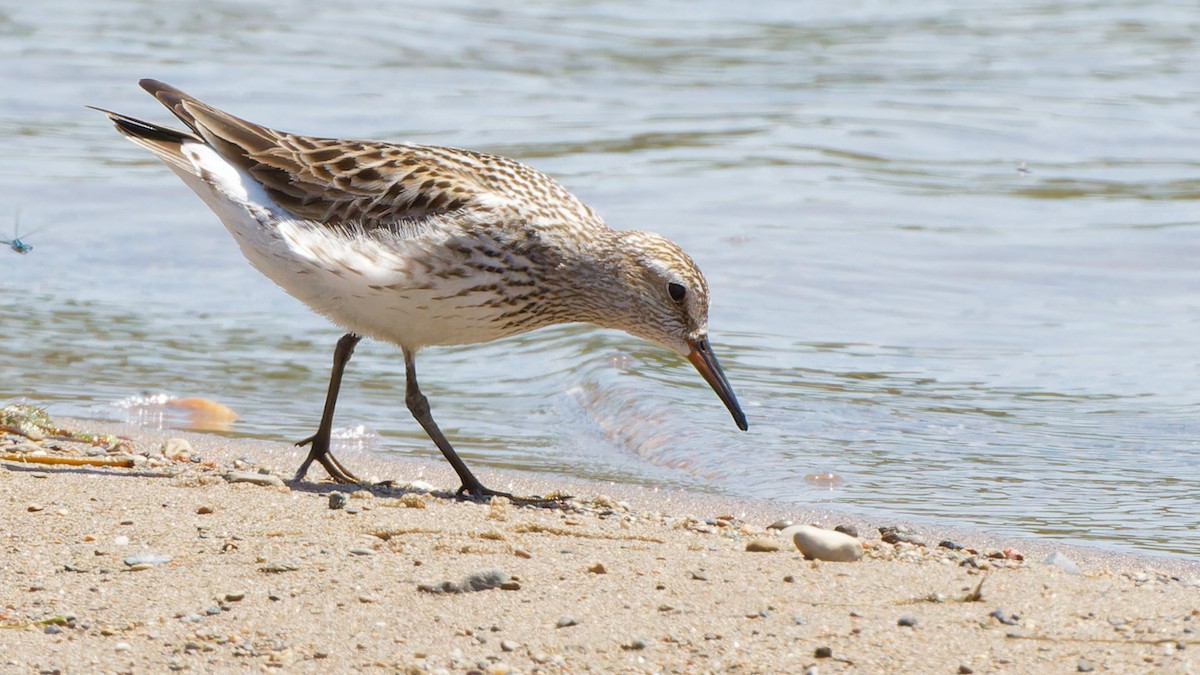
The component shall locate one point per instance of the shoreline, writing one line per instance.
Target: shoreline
(619, 579)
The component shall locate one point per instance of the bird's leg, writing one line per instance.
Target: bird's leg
(319, 442)
(418, 405)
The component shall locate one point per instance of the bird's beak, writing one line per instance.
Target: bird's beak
(705, 361)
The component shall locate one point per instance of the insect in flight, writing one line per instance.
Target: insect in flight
(16, 244)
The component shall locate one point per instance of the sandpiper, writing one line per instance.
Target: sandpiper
(420, 245)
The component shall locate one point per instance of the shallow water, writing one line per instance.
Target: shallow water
(953, 251)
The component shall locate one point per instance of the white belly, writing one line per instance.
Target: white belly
(412, 291)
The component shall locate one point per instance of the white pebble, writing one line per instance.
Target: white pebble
(819, 544)
(121, 540)
(122, 647)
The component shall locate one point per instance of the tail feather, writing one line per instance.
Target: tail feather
(234, 138)
(164, 142)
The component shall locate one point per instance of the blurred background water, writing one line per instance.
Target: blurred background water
(954, 247)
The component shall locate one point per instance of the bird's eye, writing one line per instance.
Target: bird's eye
(677, 291)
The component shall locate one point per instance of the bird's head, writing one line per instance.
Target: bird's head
(666, 301)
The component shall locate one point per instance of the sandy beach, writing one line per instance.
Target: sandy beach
(169, 565)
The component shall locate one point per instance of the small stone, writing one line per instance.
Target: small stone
(901, 533)
(122, 647)
(177, 448)
(762, 546)
(510, 586)
(147, 559)
(420, 486)
(634, 644)
(847, 529)
(952, 545)
(476, 581)
(484, 579)
(204, 510)
(34, 508)
(1003, 618)
(278, 567)
(789, 579)
(337, 500)
(1085, 666)
(366, 599)
(597, 568)
(696, 575)
(781, 524)
(566, 621)
(235, 597)
(509, 645)
(361, 551)
(1062, 562)
(254, 478)
(823, 652)
(907, 620)
(51, 630)
(412, 500)
(965, 670)
(818, 544)
(213, 611)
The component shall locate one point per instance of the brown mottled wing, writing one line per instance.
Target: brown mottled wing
(330, 180)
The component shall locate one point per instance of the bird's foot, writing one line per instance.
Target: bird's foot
(320, 453)
(477, 492)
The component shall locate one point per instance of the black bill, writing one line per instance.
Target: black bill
(705, 361)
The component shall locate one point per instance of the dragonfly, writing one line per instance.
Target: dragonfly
(16, 244)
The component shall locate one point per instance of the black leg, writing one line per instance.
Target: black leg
(319, 442)
(418, 405)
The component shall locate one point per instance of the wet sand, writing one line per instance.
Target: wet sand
(169, 566)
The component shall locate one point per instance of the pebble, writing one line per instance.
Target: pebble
(213, 611)
(566, 621)
(476, 581)
(277, 567)
(361, 551)
(1085, 666)
(952, 545)
(818, 544)
(597, 568)
(823, 652)
(122, 647)
(1062, 562)
(255, 478)
(901, 533)
(634, 644)
(420, 486)
(137, 560)
(236, 596)
(177, 448)
(762, 546)
(34, 508)
(965, 670)
(51, 630)
(781, 524)
(509, 645)
(412, 500)
(1003, 618)
(907, 620)
(204, 510)
(847, 529)
(337, 500)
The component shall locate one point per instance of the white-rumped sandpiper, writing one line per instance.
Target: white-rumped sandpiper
(420, 245)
